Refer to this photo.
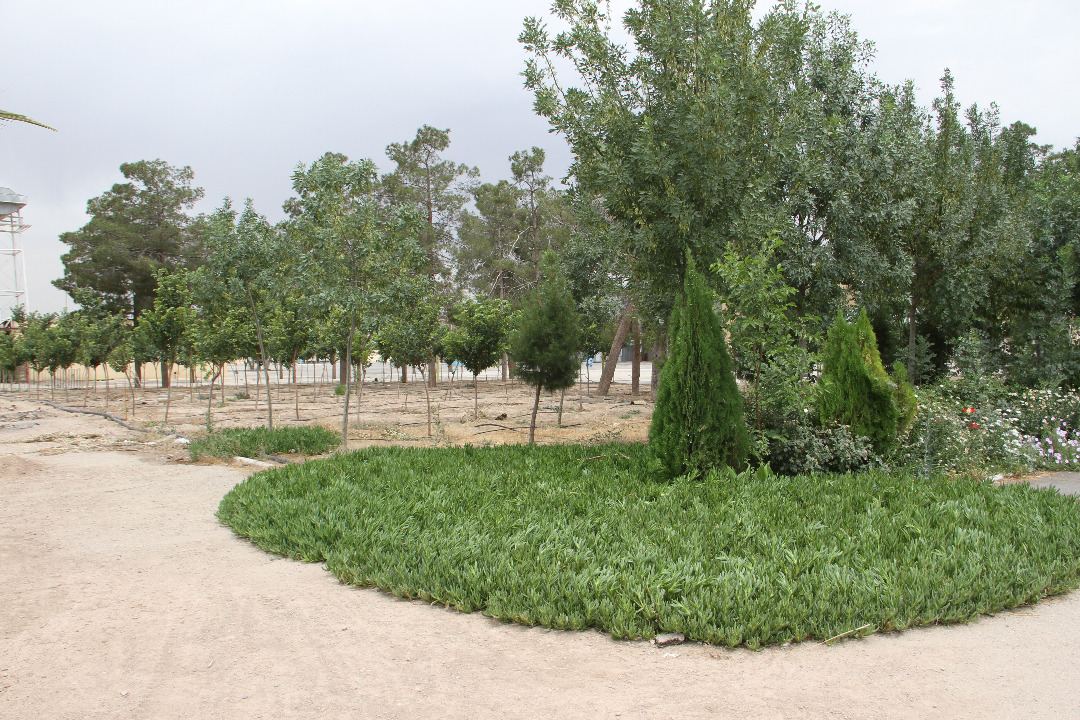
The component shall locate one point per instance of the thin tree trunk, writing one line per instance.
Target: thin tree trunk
(433, 374)
(635, 371)
(106, 388)
(168, 394)
(166, 375)
(262, 357)
(532, 423)
(360, 392)
(296, 385)
(131, 386)
(348, 365)
(475, 397)
(912, 336)
(616, 348)
(86, 391)
(210, 402)
(562, 397)
(427, 398)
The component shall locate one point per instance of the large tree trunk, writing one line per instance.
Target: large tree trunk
(617, 343)
(433, 373)
(166, 375)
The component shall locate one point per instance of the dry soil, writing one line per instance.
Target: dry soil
(121, 595)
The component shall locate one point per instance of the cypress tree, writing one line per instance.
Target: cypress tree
(545, 342)
(855, 390)
(698, 420)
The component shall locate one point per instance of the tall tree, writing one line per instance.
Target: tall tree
(242, 254)
(489, 260)
(160, 334)
(440, 189)
(136, 228)
(673, 135)
(355, 249)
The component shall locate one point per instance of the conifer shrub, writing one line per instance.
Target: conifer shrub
(855, 390)
(698, 421)
(544, 345)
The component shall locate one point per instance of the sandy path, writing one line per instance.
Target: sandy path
(122, 596)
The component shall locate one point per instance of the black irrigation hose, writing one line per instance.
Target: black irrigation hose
(115, 419)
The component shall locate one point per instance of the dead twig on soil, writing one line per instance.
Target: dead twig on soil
(845, 634)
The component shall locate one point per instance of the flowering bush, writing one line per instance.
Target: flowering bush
(1013, 431)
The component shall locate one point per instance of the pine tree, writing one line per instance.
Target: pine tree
(855, 390)
(698, 421)
(545, 343)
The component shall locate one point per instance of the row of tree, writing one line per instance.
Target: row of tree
(765, 150)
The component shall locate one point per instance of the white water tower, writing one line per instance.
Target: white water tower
(12, 264)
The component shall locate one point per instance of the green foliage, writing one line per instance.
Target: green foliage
(544, 344)
(160, 332)
(136, 229)
(907, 405)
(698, 422)
(355, 251)
(409, 336)
(854, 389)
(803, 450)
(437, 188)
(479, 336)
(767, 337)
(975, 384)
(580, 537)
(258, 441)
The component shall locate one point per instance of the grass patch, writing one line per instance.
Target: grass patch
(577, 537)
(257, 441)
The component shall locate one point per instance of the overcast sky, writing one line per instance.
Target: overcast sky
(243, 90)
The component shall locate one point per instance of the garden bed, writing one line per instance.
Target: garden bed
(582, 537)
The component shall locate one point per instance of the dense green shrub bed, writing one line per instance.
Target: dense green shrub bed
(257, 441)
(578, 537)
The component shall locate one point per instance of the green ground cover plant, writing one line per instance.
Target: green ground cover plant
(582, 537)
(258, 441)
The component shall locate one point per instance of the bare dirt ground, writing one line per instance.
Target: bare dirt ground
(122, 596)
